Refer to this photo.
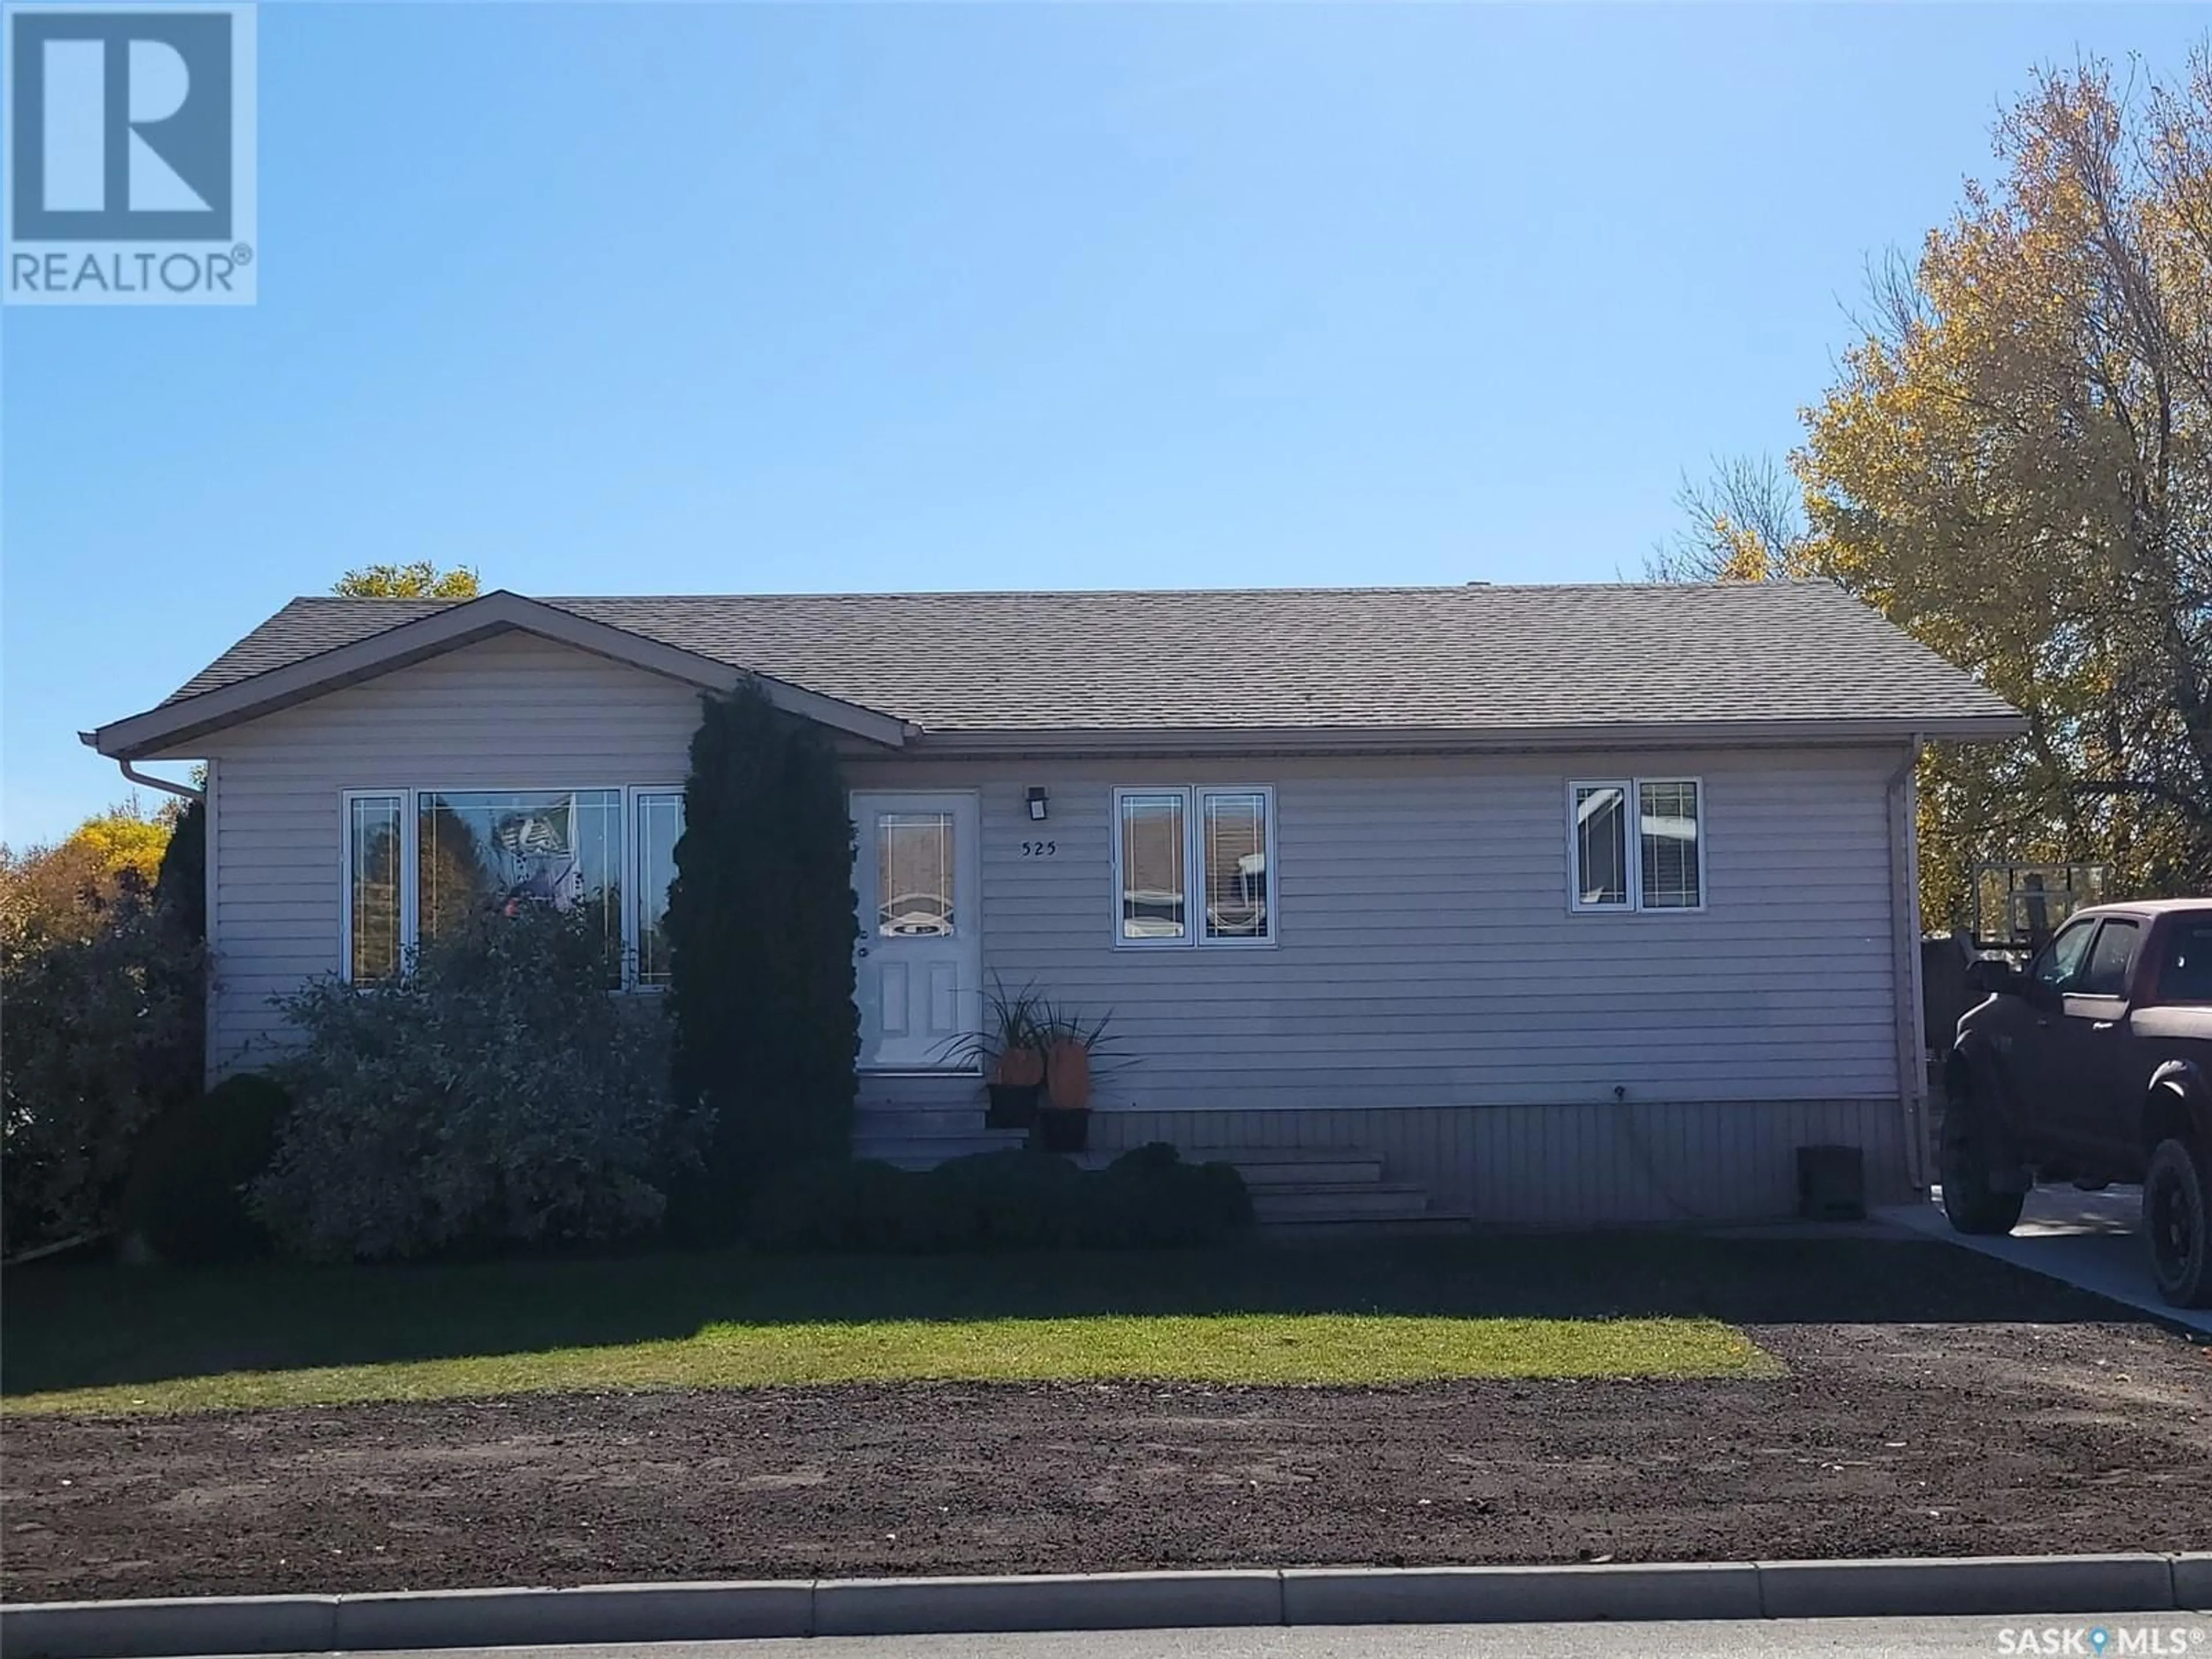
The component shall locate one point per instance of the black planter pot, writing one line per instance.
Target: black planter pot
(1059, 1130)
(1013, 1105)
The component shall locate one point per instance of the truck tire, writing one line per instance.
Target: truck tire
(1968, 1201)
(2177, 1219)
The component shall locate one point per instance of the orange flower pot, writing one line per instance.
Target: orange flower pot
(1022, 1068)
(1067, 1076)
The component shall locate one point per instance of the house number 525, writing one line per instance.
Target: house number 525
(1039, 849)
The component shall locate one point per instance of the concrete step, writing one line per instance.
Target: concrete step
(1425, 1226)
(892, 1122)
(1339, 1200)
(1257, 1155)
(928, 1152)
(1336, 1172)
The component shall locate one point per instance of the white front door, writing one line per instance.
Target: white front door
(920, 963)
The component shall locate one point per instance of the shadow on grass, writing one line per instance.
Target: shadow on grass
(81, 1325)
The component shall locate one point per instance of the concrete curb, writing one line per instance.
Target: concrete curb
(1461, 1595)
(2193, 1583)
(1989, 1584)
(1131, 1601)
(617, 1613)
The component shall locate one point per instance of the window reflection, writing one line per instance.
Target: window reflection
(1152, 856)
(914, 895)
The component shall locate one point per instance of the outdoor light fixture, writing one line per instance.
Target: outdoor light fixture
(1036, 806)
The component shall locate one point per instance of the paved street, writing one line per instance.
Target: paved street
(2164, 1634)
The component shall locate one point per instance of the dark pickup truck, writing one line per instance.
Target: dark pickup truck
(2094, 1066)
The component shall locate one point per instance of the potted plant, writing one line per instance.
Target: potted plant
(1070, 1042)
(1012, 1047)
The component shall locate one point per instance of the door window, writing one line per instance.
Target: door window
(913, 875)
(2107, 976)
(2060, 966)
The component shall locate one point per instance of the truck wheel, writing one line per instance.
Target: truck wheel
(1968, 1202)
(2176, 1216)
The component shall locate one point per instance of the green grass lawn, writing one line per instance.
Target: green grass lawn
(1298, 1348)
(103, 1338)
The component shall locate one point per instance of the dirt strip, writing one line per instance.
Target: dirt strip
(1883, 1440)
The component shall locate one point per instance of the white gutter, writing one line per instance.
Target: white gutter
(91, 741)
(1165, 741)
(1899, 798)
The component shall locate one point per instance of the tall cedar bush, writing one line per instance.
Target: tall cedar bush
(180, 889)
(760, 931)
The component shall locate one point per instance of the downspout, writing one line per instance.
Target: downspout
(147, 778)
(1899, 799)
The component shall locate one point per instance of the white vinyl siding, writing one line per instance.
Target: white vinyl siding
(512, 712)
(1429, 964)
(1428, 960)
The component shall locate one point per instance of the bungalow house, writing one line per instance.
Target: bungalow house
(1528, 904)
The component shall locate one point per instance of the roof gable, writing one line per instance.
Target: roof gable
(334, 658)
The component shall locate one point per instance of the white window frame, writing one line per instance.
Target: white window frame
(1194, 796)
(1632, 789)
(406, 799)
(633, 894)
(632, 862)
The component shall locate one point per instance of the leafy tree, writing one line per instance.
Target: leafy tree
(1745, 524)
(68, 890)
(2016, 466)
(421, 580)
(760, 929)
(103, 999)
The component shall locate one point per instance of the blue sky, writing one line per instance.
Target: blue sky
(676, 298)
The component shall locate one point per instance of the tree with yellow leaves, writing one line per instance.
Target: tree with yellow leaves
(2016, 466)
(64, 890)
(422, 579)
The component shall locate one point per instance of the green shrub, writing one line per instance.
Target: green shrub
(497, 1095)
(1006, 1200)
(1001, 1201)
(760, 931)
(187, 1199)
(821, 1204)
(105, 1021)
(1150, 1197)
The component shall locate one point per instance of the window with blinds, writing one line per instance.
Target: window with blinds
(1636, 844)
(1194, 865)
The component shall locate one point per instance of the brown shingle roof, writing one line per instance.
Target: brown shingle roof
(1474, 658)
